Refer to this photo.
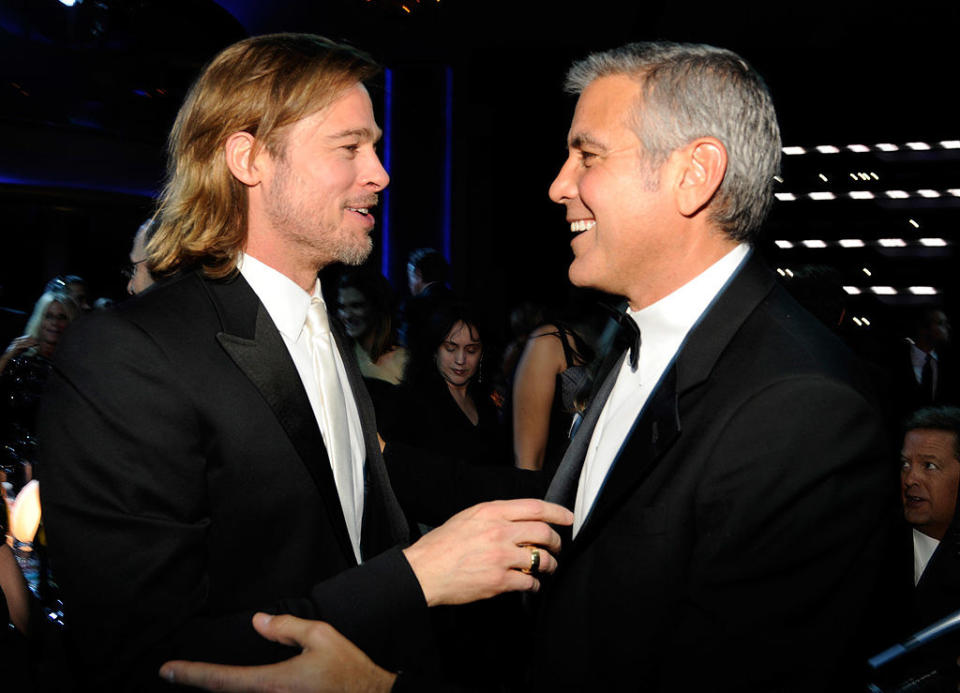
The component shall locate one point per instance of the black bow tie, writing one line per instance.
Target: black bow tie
(628, 336)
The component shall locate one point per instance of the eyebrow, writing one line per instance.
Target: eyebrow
(362, 133)
(580, 139)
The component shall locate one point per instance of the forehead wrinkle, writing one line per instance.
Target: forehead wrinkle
(579, 139)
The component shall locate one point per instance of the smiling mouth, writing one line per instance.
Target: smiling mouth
(581, 225)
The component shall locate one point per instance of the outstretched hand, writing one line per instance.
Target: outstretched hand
(484, 551)
(329, 662)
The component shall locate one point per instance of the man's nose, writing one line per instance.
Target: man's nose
(564, 186)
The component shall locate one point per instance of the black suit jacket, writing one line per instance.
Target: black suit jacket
(734, 543)
(185, 484)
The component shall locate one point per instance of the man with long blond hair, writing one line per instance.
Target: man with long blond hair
(209, 448)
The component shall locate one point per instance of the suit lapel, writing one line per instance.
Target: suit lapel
(253, 342)
(660, 423)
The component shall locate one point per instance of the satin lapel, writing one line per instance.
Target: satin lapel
(384, 524)
(253, 342)
(661, 421)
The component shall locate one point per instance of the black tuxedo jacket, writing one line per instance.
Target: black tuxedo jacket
(185, 485)
(734, 543)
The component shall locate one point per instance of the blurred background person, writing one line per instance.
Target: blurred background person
(24, 369)
(550, 374)
(138, 275)
(76, 287)
(427, 274)
(445, 404)
(366, 308)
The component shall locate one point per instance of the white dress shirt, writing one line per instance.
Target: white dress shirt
(287, 305)
(663, 327)
(923, 548)
(918, 357)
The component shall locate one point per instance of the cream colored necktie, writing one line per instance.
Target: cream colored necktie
(336, 431)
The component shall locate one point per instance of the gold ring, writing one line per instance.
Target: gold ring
(534, 561)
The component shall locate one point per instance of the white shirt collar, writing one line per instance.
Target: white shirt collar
(283, 298)
(923, 548)
(671, 317)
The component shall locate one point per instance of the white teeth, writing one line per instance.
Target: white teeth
(360, 210)
(582, 225)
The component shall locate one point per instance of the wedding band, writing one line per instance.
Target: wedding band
(534, 561)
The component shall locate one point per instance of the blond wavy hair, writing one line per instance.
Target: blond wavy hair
(258, 85)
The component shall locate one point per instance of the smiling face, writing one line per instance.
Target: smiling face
(55, 321)
(618, 209)
(354, 312)
(318, 193)
(458, 356)
(929, 476)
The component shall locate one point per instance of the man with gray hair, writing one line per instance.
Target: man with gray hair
(727, 479)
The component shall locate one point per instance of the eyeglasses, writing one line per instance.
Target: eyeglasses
(131, 268)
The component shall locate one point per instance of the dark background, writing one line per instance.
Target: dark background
(88, 93)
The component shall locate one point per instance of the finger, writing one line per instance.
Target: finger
(532, 509)
(286, 629)
(217, 677)
(523, 562)
(538, 533)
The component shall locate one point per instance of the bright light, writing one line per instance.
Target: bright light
(883, 290)
(926, 192)
(923, 291)
(827, 149)
(783, 244)
(25, 515)
(852, 290)
(814, 243)
(897, 194)
(823, 178)
(781, 272)
(854, 176)
(867, 272)
(954, 191)
(857, 322)
(950, 144)
(865, 321)
(863, 176)
(892, 242)
(778, 179)
(789, 272)
(933, 242)
(859, 148)
(69, 3)
(850, 243)
(913, 223)
(918, 146)
(861, 195)
(874, 175)
(822, 196)
(887, 147)
(785, 197)
(793, 151)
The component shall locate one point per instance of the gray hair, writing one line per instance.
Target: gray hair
(694, 90)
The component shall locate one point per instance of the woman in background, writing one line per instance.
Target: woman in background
(366, 308)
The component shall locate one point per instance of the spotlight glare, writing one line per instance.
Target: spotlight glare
(897, 194)
(874, 175)
(892, 242)
(923, 291)
(785, 197)
(913, 223)
(950, 144)
(861, 195)
(933, 242)
(929, 194)
(783, 244)
(883, 290)
(823, 178)
(793, 151)
(918, 146)
(814, 243)
(865, 321)
(778, 179)
(852, 290)
(781, 272)
(827, 149)
(867, 272)
(954, 191)
(854, 176)
(823, 195)
(789, 272)
(857, 322)
(887, 147)
(858, 148)
(851, 243)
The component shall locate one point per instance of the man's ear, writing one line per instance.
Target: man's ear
(704, 164)
(242, 155)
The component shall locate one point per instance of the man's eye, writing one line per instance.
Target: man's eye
(587, 158)
(930, 466)
(352, 148)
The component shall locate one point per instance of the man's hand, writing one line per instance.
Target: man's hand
(329, 662)
(482, 551)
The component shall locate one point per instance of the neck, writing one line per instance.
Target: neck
(296, 266)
